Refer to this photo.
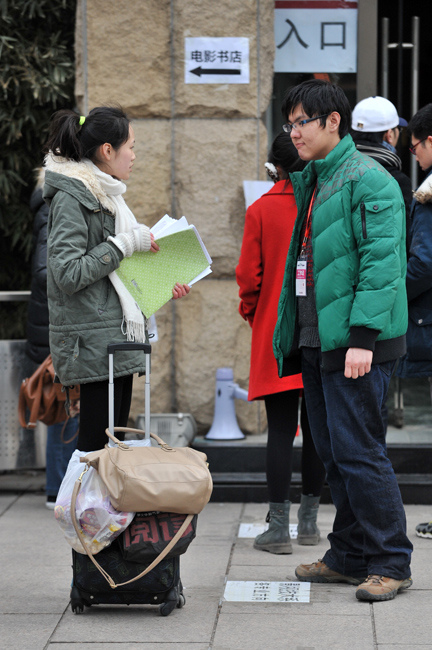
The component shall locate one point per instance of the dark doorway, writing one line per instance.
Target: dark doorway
(400, 13)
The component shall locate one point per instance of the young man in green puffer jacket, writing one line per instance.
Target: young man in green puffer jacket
(342, 318)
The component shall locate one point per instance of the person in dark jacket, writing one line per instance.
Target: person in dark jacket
(418, 360)
(376, 127)
(61, 437)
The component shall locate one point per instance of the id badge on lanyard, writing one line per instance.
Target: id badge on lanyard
(301, 271)
(301, 268)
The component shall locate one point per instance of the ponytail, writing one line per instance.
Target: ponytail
(63, 135)
(76, 137)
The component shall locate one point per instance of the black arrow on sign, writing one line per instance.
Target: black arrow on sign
(221, 71)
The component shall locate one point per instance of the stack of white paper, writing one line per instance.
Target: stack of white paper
(167, 226)
(182, 257)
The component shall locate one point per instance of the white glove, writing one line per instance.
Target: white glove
(137, 240)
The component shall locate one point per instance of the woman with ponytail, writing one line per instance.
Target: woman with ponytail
(90, 230)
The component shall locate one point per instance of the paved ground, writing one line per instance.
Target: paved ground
(35, 578)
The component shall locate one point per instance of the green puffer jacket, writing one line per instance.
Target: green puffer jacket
(84, 309)
(359, 261)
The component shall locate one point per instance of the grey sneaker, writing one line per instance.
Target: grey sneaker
(377, 587)
(320, 572)
(424, 530)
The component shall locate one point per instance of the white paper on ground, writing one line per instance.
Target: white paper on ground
(252, 530)
(261, 591)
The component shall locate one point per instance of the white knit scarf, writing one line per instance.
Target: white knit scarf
(133, 319)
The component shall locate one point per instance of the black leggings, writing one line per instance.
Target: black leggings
(94, 411)
(282, 418)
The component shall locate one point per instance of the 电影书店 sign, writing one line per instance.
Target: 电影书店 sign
(217, 60)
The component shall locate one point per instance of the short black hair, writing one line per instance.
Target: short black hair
(421, 124)
(368, 136)
(319, 97)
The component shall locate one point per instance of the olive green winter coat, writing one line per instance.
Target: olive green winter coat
(84, 309)
(359, 261)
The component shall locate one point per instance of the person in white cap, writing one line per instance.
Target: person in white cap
(376, 128)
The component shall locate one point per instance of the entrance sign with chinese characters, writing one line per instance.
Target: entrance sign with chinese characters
(267, 592)
(217, 60)
(315, 35)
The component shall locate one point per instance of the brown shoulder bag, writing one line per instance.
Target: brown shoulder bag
(44, 399)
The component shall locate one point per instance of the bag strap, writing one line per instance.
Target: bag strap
(106, 575)
(72, 438)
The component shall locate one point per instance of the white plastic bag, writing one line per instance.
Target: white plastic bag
(99, 521)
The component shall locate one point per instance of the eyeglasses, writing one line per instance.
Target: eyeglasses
(299, 123)
(413, 148)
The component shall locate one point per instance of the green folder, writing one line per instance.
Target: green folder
(150, 277)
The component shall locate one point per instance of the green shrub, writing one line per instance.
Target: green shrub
(36, 78)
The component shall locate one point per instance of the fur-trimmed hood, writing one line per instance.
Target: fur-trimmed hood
(423, 194)
(80, 171)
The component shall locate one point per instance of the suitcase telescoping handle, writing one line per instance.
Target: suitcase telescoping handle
(127, 347)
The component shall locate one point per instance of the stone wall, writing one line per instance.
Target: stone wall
(195, 144)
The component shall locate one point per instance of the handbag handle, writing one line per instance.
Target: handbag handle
(124, 445)
(106, 575)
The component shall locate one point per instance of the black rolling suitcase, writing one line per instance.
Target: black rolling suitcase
(162, 585)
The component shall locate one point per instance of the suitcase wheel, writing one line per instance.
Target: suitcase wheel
(181, 601)
(77, 603)
(171, 602)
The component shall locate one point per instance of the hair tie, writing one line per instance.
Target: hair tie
(272, 171)
(82, 120)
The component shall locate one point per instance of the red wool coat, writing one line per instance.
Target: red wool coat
(267, 233)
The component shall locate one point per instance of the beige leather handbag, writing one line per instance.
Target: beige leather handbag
(163, 478)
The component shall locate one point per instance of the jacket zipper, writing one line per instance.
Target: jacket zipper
(363, 219)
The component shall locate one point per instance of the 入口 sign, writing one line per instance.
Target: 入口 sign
(216, 60)
(315, 35)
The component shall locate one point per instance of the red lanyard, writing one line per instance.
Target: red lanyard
(308, 223)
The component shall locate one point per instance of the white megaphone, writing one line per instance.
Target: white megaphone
(225, 425)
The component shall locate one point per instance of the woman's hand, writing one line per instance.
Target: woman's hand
(154, 247)
(180, 290)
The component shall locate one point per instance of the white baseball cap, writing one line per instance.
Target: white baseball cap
(375, 114)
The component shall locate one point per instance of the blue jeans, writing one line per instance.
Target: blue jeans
(345, 415)
(58, 453)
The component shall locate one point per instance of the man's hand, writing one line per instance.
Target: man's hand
(357, 362)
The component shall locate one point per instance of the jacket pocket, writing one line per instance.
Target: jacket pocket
(102, 295)
(363, 219)
(108, 224)
(377, 218)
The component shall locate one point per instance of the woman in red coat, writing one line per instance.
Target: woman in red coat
(267, 233)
